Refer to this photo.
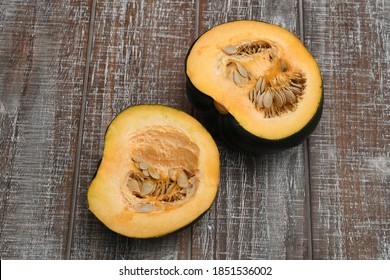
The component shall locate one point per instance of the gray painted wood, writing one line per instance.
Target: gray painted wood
(42, 60)
(350, 152)
(68, 67)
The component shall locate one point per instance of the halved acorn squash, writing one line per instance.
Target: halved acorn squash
(257, 83)
(159, 172)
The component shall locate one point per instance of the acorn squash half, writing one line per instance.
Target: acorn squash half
(257, 83)
(159, 172)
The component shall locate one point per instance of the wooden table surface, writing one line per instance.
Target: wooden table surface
(67, 67)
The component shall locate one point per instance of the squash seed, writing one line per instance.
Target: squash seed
(182, 179)
(137, 158)
(143, 165)
(290, 97)
(296, 90)
(267, 99)
(230, 50)
(133, 185)
(153, 172)
(238, 79)
(145, 208)
(147, 187)
(242, 70)
(260, 85)
(172, 174)
(259, 100)
(278, 99)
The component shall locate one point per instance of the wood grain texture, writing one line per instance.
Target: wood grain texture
(42, 56)
(138, 56)
(350, 152)
(260, 211)
(326, 199)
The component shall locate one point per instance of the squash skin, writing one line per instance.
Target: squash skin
(96, 188)
(235, 135)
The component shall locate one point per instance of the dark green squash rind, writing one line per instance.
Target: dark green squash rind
(234, 134)
(237, 137)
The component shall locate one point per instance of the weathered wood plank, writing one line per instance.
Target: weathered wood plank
(350, 152)
(42, 62)
(260, 212)
(137, 57)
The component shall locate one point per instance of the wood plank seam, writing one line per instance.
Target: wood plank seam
(196, 35)
(308, 215)
(80, 134)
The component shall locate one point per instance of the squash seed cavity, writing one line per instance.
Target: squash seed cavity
(273, 87)
(164, 170)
